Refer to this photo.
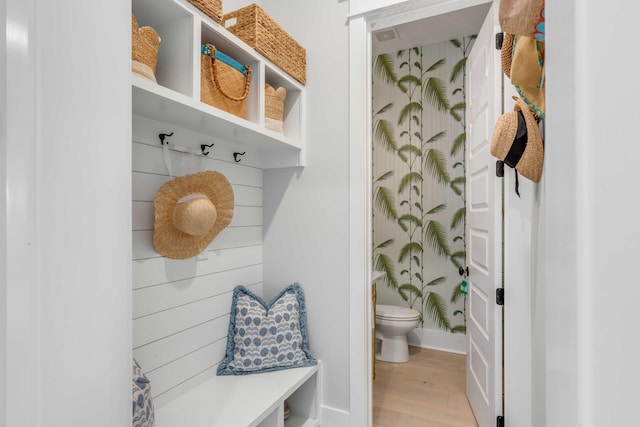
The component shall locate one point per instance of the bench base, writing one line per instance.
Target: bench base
(255, 400)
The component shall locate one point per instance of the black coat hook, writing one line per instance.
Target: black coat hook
(202, 147)
(236, 155)
(162, 136)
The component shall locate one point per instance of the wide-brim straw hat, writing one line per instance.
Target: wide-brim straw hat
(190, 211)
(523, 62)
(506, 53)
(528, 72)
(523, 18)
(516, 134)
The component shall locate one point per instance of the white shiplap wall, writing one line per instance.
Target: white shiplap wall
(181, 307)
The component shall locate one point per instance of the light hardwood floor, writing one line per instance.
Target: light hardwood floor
(426, 391)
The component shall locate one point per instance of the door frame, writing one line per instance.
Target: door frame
(361, 26)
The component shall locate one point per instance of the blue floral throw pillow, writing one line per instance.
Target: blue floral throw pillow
(266, 337)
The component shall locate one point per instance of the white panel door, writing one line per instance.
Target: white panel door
(484, 230)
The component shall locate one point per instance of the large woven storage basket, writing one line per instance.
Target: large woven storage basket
(211, 8)
(274, 107)
(253, 26)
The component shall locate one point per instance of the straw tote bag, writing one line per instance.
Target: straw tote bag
(224, 82)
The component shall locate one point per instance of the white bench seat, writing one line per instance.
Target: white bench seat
(254, 400)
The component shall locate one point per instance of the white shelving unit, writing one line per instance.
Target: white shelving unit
(175, 99)
(255, 400)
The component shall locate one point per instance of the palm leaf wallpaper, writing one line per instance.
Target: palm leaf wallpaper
(419, 180)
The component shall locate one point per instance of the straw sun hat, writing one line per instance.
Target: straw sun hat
(517, 141)
(523, 63)
(506, 53)
(524, 18)
(189, 212)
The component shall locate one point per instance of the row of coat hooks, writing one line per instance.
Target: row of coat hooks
(205, 149)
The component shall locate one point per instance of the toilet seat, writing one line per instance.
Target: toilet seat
(392, 312)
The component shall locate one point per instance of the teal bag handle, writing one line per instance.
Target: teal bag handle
(209, 49)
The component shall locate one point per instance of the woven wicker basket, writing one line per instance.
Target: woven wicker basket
(253, 26)
(274, 108)
(287, 411)
(211, 8)
(222, 86)
(145, 44)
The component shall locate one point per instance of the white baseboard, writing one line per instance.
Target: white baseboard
(334, 417)
(438, 340)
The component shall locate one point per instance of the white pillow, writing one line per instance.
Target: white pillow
(266, 337)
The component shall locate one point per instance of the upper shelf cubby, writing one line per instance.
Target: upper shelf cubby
(175, 98)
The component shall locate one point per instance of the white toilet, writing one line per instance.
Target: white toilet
(392, 325)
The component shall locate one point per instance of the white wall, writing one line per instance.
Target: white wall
(306, 218)
(3, 214)
(181, 307)
(555, 349)
(68, 248)
(78, 301)
(80, 252)
(591, 228)
(84, 192)
(19, 287)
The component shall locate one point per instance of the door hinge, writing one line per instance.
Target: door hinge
(500, 421)
(499, 168)
(500, 296)
(499, 40)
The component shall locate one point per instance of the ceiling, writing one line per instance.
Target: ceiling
(431, 30)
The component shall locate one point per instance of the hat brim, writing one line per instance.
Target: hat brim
(504, 134)
(534, 98)
(530, 164)
(173, 243)
(506, 53)
(527, 72)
